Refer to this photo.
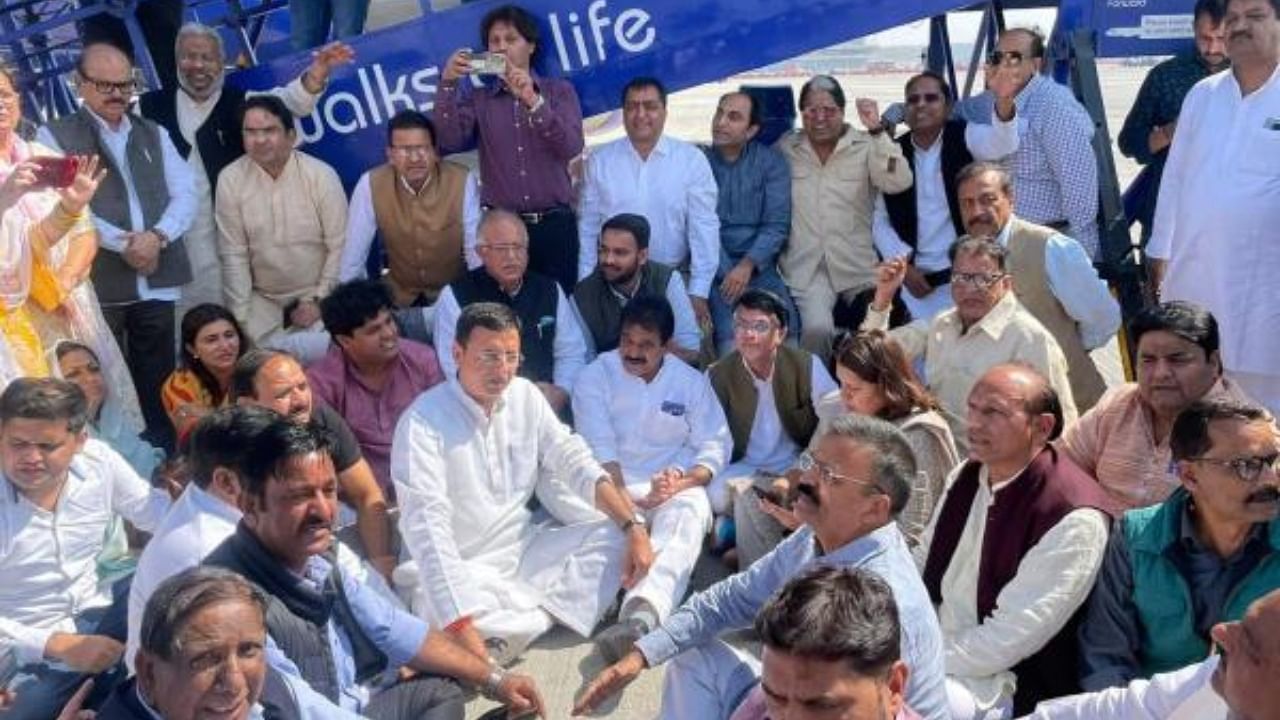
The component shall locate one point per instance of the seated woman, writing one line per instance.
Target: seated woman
(79, 364)
(212, 341)
(875, 379)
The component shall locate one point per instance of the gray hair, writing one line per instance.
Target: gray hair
(894, 463)
(181, 596)
(196, 29)
(496, 215)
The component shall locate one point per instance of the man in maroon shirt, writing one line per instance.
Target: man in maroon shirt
(528, 128)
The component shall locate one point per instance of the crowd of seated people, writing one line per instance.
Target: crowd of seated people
(240, 473)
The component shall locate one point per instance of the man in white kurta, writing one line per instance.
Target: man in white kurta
(467, 458)
(282, 220)
(658, 429)
(1217, 223)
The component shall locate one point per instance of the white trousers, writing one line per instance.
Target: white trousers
(964, 706)
(708, 682)
(676, 529)
(567, 574)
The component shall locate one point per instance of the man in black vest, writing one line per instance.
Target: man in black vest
(332, 630)
(1012, 551)
(203, 121)
(623, 272)
(141, 216)
(923, 221)
(551, 338)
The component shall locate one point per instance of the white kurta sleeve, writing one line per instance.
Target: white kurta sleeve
(444, 325)
(331, 201)
(233, 246)
(1169, 201)
(1053, 580)
(1186, 691)
(471, 214)
(420, 473)
(1083, 294)
(820, 381)
(569, 345)
(132, 497)
(687, 334)
(886, 239)
(565, 453)
(590, 213)
(703, 225)
(181, 185)
(992, 141)
(591, 414)
(362, 225)
(709, 442)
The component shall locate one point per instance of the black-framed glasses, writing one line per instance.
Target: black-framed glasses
(806, 462)
(108, 87)
(928, 98)
(982, 281)
(1006, 57)
(1248, 469)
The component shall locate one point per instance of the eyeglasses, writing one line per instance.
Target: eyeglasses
(806, 462)
(756, 327)
(8, 98)
(923, 98)
(107, 87)
(982, 281)
(494, 359)
(412, 151)
(509, 250)
(1248, 469)
(1006, 57)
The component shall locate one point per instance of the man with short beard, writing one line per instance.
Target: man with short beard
(203, 121)
(1148, 129)
(625, 272)
(328, 628)
(1175, 570)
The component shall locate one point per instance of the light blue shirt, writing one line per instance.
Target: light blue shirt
(1075, 283)
(395, 633)
(733, 603)
(178, 179)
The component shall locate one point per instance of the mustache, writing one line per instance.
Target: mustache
(803, 488)
(634, 360)
(1266, 495)
(314, 522)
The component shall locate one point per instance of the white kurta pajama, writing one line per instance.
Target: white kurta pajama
(1217, 223)
(673, 420)
(464, 481)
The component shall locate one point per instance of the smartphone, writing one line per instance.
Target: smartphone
(770, 495)
(8, 665)
(55, 172)
(486, 63)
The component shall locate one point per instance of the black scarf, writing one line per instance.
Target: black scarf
(245, 554)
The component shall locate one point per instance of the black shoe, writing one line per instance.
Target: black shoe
(618, 639)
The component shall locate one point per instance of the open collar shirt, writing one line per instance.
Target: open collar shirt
(48, 559)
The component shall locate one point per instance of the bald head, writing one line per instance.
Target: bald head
(1012, 413)
(106, 81)
(1250, 662)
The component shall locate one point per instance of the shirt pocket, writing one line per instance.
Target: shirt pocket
(668, 425)
(1260, 154)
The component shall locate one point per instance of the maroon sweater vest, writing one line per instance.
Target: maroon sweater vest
(1023, 512)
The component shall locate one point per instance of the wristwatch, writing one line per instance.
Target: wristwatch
(636, 519)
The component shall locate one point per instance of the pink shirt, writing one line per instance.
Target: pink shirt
(372, 414)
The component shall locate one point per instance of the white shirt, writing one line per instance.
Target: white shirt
(673, 189)
(687, 335)
(178, 180)
(362, 225)
(770, 448)
(464, 479)
(936, 232)
(1218, 216)
(1052, 581)
(49, 559)
(197, 523)
(1185, 694)
(569, 346)
(674, 420)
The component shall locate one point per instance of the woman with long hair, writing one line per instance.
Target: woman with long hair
(212, 342)
(47, 246)
(876, 379)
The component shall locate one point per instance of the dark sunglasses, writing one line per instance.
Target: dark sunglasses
(925, 98)
(1011, 57)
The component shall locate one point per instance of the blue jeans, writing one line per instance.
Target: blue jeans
(42, 690)
(309, 20)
